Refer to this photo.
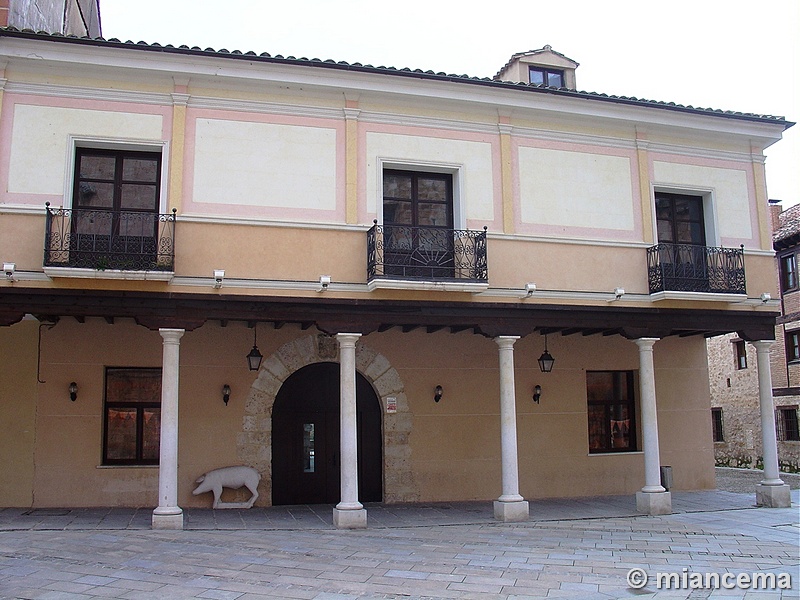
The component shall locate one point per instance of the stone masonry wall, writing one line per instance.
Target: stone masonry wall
(254, 443)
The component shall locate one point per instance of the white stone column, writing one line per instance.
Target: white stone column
(772, 492)
(510, 506)
(349, 513)
(653, 499)
(168, 515)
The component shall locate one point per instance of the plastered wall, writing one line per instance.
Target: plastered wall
(453, 445)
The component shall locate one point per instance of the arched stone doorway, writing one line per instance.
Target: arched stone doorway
(254, 442)
(305, 438)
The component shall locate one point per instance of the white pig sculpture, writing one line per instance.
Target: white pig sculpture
(229, 477)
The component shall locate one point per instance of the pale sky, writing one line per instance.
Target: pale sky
(724, 54)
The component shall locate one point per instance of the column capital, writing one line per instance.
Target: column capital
(762, 345)
(347, 339)
(506, 341)
(646, 343)
(171, 335)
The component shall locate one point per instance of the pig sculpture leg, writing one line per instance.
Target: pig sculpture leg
(230, 477)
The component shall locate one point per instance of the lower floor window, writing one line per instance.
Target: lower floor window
(787, 424)
(132, 416)
(611, 409)
(716, 425)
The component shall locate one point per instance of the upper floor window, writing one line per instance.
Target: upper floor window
(132, 416)
(679, 219)
(792, 339)
(788, 269)
(546, 76)
(717, 425)
(740, 349)
(788, 428)
(611, 410)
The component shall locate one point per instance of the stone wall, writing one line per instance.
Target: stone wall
(254, 443)
(736, 392)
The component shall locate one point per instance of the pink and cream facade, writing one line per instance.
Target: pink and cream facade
(396, 249)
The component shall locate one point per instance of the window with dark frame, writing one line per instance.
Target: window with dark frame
(788, 272)
(740, 349)
(717, 428)
(115, 204)
(132, 416)
(611, 411)
(792, 339)
(787, 424)
(546, 76)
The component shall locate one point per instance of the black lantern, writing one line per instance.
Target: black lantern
(226, 393)
(546, 361)
(437, 393)
(255, 357)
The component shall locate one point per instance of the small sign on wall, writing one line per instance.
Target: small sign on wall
(391, 404)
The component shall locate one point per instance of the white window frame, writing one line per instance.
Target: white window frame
(102, 143)
(454, 169)
(710, 216)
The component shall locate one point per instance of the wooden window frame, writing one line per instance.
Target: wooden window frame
(140, 408)
(792, 344)
(608, 404)
(740, 353)
(788, 272)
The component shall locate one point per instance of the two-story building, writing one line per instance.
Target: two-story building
(369, 284)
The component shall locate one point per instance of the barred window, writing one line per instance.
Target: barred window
(787, 424)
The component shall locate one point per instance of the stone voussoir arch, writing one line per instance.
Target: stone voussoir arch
(254, 442)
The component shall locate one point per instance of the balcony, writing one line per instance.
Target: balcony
(690, 268)
(81, 242)
(405, 257)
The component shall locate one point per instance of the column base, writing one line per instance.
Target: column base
(654, 503)
(773, 496)
(510, 512)
(167, 518)
(350, 519)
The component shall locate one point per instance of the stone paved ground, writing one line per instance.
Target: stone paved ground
(572, 557)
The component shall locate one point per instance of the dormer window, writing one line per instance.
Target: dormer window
(546, 76)
(544, 67)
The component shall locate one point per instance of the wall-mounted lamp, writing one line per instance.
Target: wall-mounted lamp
(324, 282)
(437, 393)
(219, 277)
(537, 393)
(8, 269)
(255, 357)
(73, 391)
(546, 361)
(619, 293)
(226, 393)
(766, 297)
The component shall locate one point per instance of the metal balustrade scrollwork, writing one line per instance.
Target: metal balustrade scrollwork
(690, 268)
(109, 240)
(426, 254)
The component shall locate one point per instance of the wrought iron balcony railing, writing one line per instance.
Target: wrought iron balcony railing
(689, 268)
(426, 254)
(105, 239)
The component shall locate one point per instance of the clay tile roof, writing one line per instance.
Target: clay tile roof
(788, 232)
(392, 71)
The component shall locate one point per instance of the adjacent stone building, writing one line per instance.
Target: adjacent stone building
(735, 412)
